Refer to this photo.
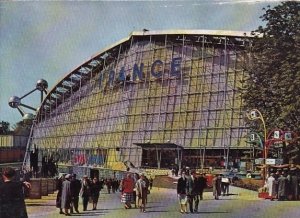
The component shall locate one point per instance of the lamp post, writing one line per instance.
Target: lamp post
(254, 139)
(255, 114)
(256, 135)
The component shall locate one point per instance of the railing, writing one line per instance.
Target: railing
(28, 146)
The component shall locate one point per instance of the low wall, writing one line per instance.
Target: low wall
(251, 184)
(41, 187)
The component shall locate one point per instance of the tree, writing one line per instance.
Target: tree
(4, 127)
(21, 128)
(274, 73)
(273, 86)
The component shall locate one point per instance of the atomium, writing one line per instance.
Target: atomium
(28, 118)
(41, 84)
(15, 102)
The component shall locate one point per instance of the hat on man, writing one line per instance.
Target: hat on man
(85, 176)
(68, 176)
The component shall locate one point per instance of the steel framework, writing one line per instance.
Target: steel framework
(181, 87)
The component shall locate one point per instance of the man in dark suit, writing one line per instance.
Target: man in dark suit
(12, 204)
(193, 191)
(202, 183)
(75, 189)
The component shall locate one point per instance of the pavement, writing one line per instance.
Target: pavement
(162, 202)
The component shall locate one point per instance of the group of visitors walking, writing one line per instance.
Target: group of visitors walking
(69, 189)
(283, 186)
(135, 189)
(220, 185)
(190, 191)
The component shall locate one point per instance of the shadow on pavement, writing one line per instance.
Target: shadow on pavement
(156, 211)
(112, 209)
(211, 212)
(152, 206)
(220, 199)
(39, 205)
(93, 214)
(89, 213)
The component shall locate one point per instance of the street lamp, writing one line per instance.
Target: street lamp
(255, 138)
(255, 114)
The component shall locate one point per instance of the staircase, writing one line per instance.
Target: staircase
(26, 164)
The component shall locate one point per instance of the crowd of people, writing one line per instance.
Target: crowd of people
(134, 189)
(220, 185)
(190, 190)
(283, 185)
(190, 187)
(70, 188)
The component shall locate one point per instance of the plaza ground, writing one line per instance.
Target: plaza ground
(162, 202)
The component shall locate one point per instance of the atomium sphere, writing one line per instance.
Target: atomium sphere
(41, 84)
(28, 118)
(14, 101)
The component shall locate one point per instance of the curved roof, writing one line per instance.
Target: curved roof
(73, 80)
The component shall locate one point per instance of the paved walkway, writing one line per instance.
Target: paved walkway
(163, 203)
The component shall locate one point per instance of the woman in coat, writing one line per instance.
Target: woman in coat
(182, 188)
(66, 196)
(282, 187)
(95, 192)
(141, 192)
(127, 185)
(271, 184)
(217, 186)
(59, 182)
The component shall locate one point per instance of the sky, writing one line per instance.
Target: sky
(48, 39)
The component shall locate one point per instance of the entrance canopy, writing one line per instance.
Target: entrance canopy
(160, 146)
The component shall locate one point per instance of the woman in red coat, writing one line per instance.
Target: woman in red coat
(127, 185)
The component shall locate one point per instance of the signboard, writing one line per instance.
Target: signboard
(276, 134)
(253, 114)
(272, 161)
(288, 136)
(242, 164)
(278, 161)
(259, 161)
